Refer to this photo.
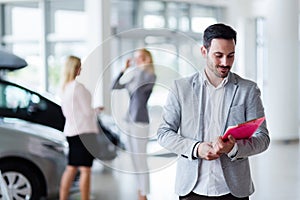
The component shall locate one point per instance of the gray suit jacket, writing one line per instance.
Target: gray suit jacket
(139, 87)
(182, 128)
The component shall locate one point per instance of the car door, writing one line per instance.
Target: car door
(19, 102)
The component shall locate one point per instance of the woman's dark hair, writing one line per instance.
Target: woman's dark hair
(220, 31)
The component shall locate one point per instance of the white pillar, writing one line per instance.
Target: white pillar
(281, 88)
(95, 73)
(43, 45)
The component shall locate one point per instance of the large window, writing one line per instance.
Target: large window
(43, 33)
(202, 16)
(21, 36)
(67, 35)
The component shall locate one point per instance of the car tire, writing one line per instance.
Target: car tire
(22, 180)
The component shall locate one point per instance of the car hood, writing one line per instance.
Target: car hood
(35, 130)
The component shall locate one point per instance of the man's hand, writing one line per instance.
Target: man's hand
(206, 151)
(221, 147)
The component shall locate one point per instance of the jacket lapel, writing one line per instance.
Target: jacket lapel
(230, 91)
(198, 108)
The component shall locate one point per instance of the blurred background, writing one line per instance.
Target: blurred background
(104, 33)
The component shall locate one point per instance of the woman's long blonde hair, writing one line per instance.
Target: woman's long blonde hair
(72, 65)
(148, 66)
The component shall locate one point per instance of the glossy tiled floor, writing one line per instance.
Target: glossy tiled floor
(276, 175)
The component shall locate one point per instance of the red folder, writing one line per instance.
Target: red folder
(244, 130)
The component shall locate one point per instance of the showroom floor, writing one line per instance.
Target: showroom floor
(276, 175)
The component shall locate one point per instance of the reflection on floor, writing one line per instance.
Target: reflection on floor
(276, 175)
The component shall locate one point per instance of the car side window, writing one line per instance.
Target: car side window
(13, 97)
(18, 102)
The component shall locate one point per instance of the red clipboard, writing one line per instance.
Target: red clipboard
(244, 130)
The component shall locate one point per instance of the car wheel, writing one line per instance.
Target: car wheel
(21, 180)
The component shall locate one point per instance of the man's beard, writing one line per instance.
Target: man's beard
(222, 71)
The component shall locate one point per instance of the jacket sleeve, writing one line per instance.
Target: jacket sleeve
(168, 132)
(260, 141)
(116, 83)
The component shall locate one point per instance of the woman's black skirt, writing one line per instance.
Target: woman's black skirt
(78, 153)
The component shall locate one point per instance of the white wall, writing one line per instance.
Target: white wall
(281, 73)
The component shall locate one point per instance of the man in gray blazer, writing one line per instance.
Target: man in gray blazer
(198, 110)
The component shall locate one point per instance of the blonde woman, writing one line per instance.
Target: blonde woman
(80, 120)
(139, 83)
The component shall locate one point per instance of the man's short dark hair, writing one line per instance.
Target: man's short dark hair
(220, 31)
